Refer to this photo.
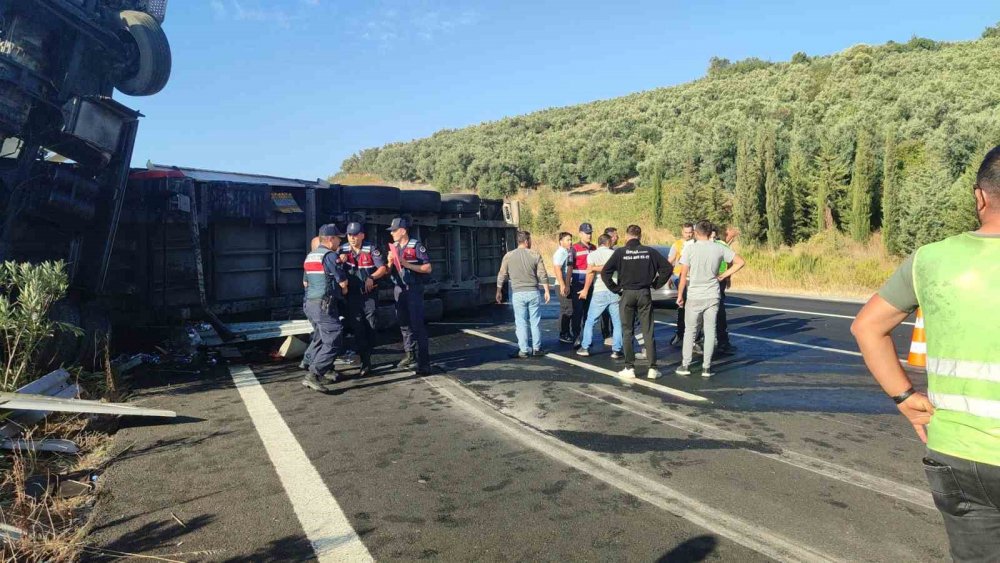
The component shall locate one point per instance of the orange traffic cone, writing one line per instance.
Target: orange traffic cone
(918, 346)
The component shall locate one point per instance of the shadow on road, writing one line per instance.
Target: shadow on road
(695, 549)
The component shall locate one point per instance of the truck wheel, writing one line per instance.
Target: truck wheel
(150, 68)
(359, 198)
(461, 204)
(420, 201)
(492, 210)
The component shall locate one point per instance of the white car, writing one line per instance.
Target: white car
(668, 293)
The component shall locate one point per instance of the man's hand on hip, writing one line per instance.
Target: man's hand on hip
(918, 409)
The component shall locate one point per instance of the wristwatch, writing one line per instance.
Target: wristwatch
(904, 395)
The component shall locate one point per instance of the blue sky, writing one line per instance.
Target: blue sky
(292, 87)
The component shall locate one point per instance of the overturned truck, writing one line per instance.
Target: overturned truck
(193, 243)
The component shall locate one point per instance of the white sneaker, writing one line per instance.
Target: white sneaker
(682, 370)
(609, 341)
(706, 372)
(653, 373)
(627, 373)
(583, 352)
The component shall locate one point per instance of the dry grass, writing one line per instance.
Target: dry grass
(828, 264)
(56, 528)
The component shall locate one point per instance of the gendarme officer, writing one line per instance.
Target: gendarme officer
(409, 267)
(364, 265)
(324, 282)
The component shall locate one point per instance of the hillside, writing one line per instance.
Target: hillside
(783, 150)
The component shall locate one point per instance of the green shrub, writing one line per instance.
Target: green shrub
(27, 291)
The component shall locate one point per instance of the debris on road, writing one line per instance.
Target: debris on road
(20, 401)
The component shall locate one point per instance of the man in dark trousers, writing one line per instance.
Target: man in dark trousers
(578, 260)
(563, 270)
(364, 265)
(409, 267)
(639, 268)
(325, 282)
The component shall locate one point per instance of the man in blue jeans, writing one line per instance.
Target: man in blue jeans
(526, 271)
(602, 300)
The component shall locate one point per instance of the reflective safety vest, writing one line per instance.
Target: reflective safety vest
(961, 308)
(578, 255)
(403, 277)
(361, 266)
(318, 284)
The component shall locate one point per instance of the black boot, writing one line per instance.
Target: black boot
(408, 361)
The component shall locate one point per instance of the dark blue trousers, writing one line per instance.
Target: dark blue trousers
(361, 318)
(410, 315)
(327, 342)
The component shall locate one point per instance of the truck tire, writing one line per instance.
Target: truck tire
(150, 70)
(460, 204)
(420, 201)
(358, 198)
(492, 210)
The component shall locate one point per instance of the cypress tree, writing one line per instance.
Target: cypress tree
(862, 191)
(830, 173)
(657, 186)
(547, 222)
(746, 198)
(890, 195)
(527, 219)
(801, 200)
(772, 192)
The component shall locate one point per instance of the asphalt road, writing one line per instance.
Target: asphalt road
(790, 452)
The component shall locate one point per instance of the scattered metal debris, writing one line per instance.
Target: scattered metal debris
(248, 332)
(45, 445)
(22, 401)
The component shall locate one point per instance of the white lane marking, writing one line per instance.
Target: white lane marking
(831, 315)
(748, 534)
(785, 342)
(637, 381)
(326, 526)
(889, 488)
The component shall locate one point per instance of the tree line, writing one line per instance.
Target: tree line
(873, 138)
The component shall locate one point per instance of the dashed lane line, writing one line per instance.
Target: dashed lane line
(795, 311)
(637, 381)
(326, 526)
(885, 487)
(749, 534)
(784, 342)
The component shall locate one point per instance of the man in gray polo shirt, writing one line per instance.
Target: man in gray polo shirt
(526, 271)
(700, 276)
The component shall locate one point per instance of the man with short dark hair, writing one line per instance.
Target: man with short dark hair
(578, 258)
(954, 282)
(526, 271)
(698, 292)
(564, 280)
(639, 268)
(602, 301)
(607, 327)
(676, 251)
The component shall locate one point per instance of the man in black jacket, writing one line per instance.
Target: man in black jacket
(639, 268)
